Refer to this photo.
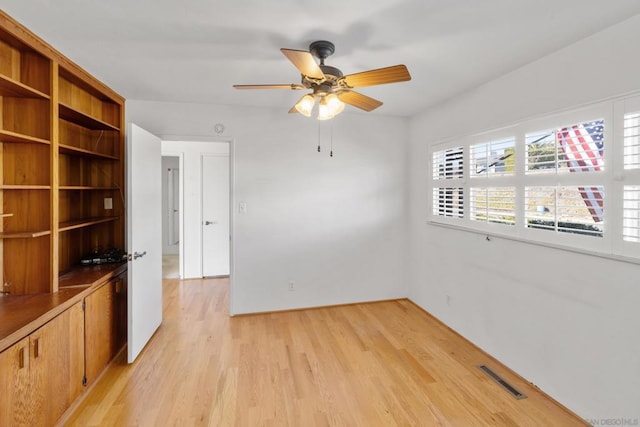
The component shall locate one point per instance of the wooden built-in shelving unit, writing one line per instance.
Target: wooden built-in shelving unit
(61, 200)
(61, 164)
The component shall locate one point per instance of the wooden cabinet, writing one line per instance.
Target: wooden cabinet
(61, 200)
(14, 384)
(105, 325)
(42, 374)
(57, 365)
(61, 164)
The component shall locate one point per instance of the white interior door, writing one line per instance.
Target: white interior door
(215, 215)
(144, 237)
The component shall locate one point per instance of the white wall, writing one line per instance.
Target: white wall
(335, 226)
(567, 322)
(167, 247)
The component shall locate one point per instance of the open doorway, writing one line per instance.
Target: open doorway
(205, 196)
(171, 217)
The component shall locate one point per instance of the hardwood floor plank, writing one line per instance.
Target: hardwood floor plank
(376, 364)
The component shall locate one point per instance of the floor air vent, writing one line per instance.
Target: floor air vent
(497, 378)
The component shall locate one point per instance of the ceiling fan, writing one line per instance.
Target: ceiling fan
(329, 85)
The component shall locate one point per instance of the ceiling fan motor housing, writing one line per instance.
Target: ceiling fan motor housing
(322, 89)
(331, 71)
(322, 49)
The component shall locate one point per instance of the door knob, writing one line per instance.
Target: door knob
(210, 222)
(137, 255)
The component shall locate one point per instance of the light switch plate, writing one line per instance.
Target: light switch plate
(108, 203)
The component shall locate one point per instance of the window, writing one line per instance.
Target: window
(631, 213)
(570, 180)
(491, 158)
(448, 164)
(631, 193)
(574, 148)
(493, 204)
(577, 148)
(576, 210)
(632, 141)
(448, 201)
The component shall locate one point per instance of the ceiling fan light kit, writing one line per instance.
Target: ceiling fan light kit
(329, 84)
(305, 105)
(329, 107)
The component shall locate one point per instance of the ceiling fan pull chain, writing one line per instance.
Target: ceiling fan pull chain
(331, 139)
(318, 137)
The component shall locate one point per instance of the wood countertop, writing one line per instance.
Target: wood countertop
(20, 315)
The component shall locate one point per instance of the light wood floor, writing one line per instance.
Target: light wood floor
(378, 364)
(170, 266)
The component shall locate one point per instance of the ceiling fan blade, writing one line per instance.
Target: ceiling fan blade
(287, 86)
(393, 74)
(359, 100)
(304, 62)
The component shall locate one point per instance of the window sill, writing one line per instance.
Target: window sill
(492, 234)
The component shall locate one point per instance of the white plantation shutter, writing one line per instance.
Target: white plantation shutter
(448, 202)
(631, 181)
(448, 164)
(545, 179)
(542, 151)
(631, 213)
(573, 148)
(540, 207)
(582, 146)
(492, 204)
(632, 141)
(493, 158)
(563, 210)
(448, 197)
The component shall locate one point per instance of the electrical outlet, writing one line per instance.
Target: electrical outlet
(292, 285)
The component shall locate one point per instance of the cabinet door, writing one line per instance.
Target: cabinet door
(57, 365)
(105, 323)
(121, 311)
(14, 385)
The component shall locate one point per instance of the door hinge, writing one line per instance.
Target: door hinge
(84, 380)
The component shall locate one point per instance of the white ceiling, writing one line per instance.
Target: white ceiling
(195, 50)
